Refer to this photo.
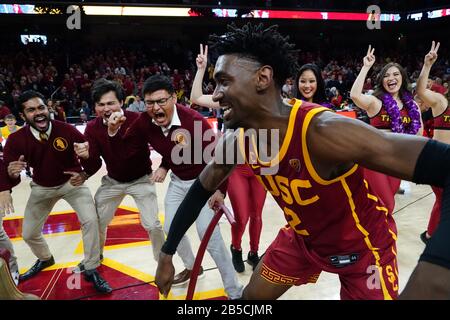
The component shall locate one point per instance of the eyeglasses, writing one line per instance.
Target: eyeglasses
(161, 102)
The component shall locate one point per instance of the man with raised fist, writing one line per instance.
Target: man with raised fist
(48, 147)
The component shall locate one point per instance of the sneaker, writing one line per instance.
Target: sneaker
(424, 238)
(15, 277)
(184, 276)
(253, 259)
(236, 258)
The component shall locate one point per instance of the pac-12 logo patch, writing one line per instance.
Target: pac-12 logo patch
(60, 144)
(295, 163)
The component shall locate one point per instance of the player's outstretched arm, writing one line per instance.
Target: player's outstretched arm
(212, 176)
(337, 142)
(199, 193)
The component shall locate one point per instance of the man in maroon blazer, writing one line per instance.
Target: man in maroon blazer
(48, 147)
(131, 177)
(172, 130)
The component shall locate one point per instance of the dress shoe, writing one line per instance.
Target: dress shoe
(253, 259)
(99, 283)
(38, 266)
(184, 276)
(236, 258)
(80, 267)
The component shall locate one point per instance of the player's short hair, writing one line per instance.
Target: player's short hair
(102, 86)
(266, 46)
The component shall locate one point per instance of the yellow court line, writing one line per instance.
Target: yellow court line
(55, 266)
(128, 245)
(200, 295)
(145, 277)
(137, 274)
(51, 235)
(129, 208)
(56, 213)
(79, 248)
(130, 271)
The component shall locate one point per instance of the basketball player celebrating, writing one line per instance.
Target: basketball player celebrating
(247, 196)
(334, 223)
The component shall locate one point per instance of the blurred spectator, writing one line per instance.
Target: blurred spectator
(128, 86)
(52, 112)
(437, 86)
(10, 127)
(137, 106)
(287, 89)
(4, 111)
(85, 88)
(85, 109)
(336, 98)
(367, 85)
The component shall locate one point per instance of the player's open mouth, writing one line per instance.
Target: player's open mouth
(41, 122)
(226, 112)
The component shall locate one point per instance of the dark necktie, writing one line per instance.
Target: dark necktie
(43, 136)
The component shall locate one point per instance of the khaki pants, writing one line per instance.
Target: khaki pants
(39, 205)
(6, 243)
(216, 247)
(111, 193)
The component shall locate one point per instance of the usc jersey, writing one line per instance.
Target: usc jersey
(338, 216)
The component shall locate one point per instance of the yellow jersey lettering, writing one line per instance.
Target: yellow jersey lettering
(283, 184)
(273, 187)
(294, 221)
(295, 185)
(446, 118)
(385, 118)
(391, 278)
